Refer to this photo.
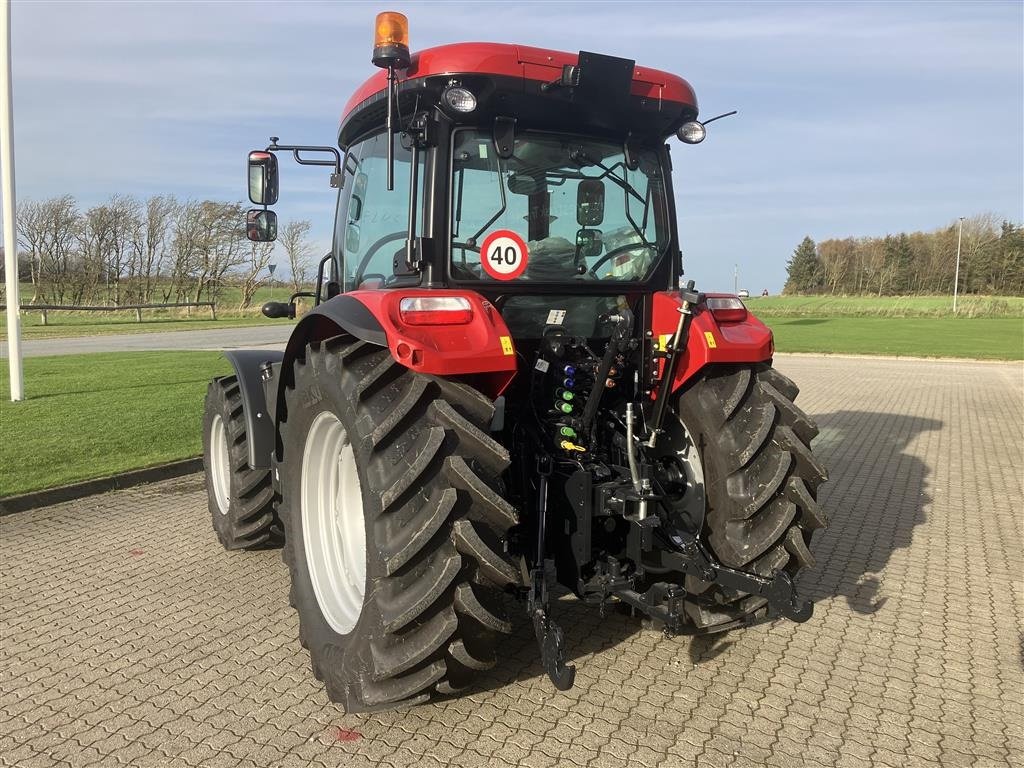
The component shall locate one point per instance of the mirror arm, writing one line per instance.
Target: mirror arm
(295, 149)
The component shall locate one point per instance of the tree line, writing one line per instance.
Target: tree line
(991, 262)
(158, 250)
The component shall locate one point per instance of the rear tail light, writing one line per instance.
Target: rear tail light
(727, 309)
(436, 310)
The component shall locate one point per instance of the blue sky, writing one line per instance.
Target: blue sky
(855, 119)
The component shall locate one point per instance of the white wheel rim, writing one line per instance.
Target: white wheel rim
(220, 464)
(333, 530)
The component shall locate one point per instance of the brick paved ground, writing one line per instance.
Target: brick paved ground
(129, 638)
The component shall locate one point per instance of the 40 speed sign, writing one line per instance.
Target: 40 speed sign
(503, 255)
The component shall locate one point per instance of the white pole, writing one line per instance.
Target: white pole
(10, 223)
(735, 278)
(956, 278)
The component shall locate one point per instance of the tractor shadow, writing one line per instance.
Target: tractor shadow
(876, 496)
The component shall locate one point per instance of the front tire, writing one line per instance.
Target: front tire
(396, 557)
(760, 484)
(241, 500)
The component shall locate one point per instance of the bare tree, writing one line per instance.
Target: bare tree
(31, 236)
(209, 242)
(158, 221)
(55, 240)
(259, 257)
(295, 241)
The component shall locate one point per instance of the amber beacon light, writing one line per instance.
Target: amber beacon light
(391, 40)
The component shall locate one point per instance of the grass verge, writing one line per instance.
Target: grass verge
(90, 416)
(981, 338)
(887, 306)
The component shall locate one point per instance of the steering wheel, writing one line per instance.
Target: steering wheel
(365, 261)
(611, 254)
(465, 266)
(466, 247)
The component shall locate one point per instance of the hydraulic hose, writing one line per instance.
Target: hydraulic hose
(623, 326)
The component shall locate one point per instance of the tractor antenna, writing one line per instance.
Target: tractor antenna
(719, 117)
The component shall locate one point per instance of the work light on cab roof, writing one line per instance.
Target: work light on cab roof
(505, 384)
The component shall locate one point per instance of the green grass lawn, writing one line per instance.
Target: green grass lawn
(980, 338)
(89, 416)
(886, 306)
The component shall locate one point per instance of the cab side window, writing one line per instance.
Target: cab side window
(372, 223)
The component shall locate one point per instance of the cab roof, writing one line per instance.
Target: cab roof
(656, 90)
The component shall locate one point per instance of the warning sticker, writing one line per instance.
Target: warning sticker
(503, 255)
(556, 317)
(663, 342)
(709, 337)
(506, 345)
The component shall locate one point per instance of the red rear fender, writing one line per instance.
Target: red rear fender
(481, 348)
(710, 341)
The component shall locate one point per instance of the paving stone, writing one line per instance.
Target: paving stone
(188, 656)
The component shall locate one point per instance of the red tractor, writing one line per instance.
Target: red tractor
(505, 387)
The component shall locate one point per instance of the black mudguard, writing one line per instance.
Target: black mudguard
(260, 422)
(342, 314)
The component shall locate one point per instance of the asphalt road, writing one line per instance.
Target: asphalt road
(224, 338)
(129, 638)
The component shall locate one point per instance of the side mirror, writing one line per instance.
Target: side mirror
(263, 177)
(589, 243)
(261, 225)
(590, 203)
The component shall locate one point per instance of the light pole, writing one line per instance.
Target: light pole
(956, 278)
(9, 208)
(735, 278)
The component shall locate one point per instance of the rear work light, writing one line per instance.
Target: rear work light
(459, 99)
(727, 309)
(436, 310)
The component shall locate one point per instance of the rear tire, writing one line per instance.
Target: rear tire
(760, 481)
(241, 500)
(415, 450)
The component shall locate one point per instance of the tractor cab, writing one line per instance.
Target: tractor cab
(509, 170)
